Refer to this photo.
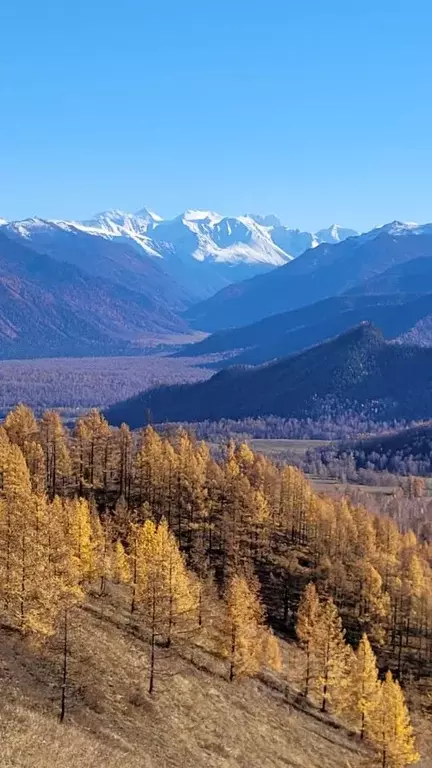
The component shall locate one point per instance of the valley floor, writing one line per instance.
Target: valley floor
(75, 384)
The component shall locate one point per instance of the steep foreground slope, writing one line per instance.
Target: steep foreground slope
(357, 370)
(327, 270)
(195, 718)
(281, 335)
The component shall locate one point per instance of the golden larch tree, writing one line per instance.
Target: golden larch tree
(246, 640)
(163, 593)
(332, 657)
(120, 568)
(308, 619)
(364, 686)
(389, 727)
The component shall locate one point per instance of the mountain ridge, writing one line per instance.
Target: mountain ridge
(290, 332)
(357, 370)
(54, 308)
(318, 273)
(201, 250)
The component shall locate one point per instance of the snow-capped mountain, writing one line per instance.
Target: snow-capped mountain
(368, 264)
(201, 250)
(2, 222)
(117, 223)
(334, 234)
(204, 235)
(399, 229)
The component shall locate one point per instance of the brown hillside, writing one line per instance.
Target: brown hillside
(195, 718)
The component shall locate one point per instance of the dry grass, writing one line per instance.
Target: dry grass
(196, 718)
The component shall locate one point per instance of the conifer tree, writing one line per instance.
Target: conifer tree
(100, 559)
(57, 457)
(80, 534)
(124, 449)
(333, 658)
(246, 641)
(120, 568)
(364, 687)
(389, 727)
(308, 620)
(163, 592)
(21, 426)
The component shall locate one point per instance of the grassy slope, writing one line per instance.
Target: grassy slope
(195, 718)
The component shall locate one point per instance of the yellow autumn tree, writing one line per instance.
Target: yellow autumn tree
(246, 641)
(21, 426)
(120, 568)
(332, 659)
(308, 619)
(100, 556)
(80, 534)
(389, 727)
(22, 429)
(163, 592)
(56, 451)
(364, 686)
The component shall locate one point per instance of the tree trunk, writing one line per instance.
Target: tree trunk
(64, 676)
(324, 701)
(233, 647)
(306, 690)
(153, 643)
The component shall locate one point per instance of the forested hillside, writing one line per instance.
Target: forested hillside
(50, 308)
(202, 572)
(395, 314)
(357, 371)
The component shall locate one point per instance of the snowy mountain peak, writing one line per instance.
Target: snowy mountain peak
(148, 215)
(270, 220)
(334, 234)
(203, 216)
(2, 221)
(232, 247)
(26, 227)
(399, 229)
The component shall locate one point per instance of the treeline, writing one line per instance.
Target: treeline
(346, 426)
(188, 536)
(368, 465)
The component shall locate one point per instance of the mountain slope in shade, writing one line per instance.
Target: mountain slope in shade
(320, 272)
(112, 259)
(50, 308)
(413, 276)
(289, 332)
(357, 370)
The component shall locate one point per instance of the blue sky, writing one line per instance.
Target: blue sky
(316, 110)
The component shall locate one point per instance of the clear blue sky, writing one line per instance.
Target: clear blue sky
(316, 110)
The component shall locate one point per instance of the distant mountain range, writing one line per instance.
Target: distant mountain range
(200, 250)
(357, 370)
(318, 273)
(102, 285)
